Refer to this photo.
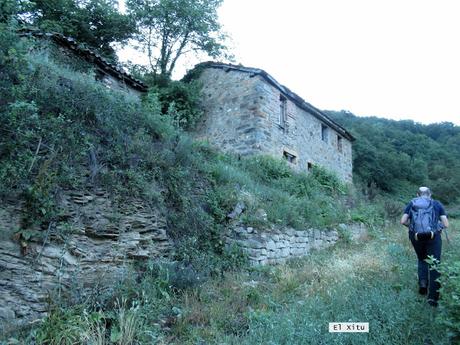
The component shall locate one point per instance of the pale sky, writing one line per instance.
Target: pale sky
(396, 59)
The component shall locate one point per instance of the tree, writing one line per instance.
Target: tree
(169, 29)
(389, 154)
(95, 23)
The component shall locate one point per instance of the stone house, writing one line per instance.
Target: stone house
(248, 112)
(74, 53)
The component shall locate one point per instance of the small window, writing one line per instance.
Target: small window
(324, 132)
(282, 112)
(309, 166)
(339, 143)
(289, 157)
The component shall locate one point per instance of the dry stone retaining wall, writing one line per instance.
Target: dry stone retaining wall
(276, 246)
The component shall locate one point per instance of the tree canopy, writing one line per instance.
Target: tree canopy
(95, 23)
(170, 29)
(394, 155)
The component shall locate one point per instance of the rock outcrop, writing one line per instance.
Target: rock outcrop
(89, 249)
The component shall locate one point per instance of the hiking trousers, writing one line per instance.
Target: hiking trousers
(423, 249)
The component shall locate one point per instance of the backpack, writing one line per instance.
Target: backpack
(422, 216)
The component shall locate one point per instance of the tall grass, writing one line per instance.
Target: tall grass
(373, 282)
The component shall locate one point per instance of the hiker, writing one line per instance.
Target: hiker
(426, 218)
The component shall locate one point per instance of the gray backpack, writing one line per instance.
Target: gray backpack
(423, 217)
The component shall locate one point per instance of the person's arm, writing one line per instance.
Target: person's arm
(444, 220)
(443, 215)
(405, 216)
(405, 219)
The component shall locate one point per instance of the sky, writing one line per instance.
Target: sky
(397, 59)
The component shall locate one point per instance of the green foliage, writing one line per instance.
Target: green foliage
(122, 325)
(266, 168)
(130, 313)
(62, 327)
(56, 126)
(59, 129)
(9, 9)
(328, 180)
(294, 303)
(180, 101)
(449, 316)
(170, 29)
(390, 153)
(450, 290)
(268, 185)
(94, 23)
(370, 214)
(12, 62)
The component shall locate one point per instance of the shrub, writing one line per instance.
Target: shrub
(180, 101)
(62, 327)
(449, 315)
(267, 168)
(327, 179)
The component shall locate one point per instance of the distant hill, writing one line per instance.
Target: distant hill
(397, 156)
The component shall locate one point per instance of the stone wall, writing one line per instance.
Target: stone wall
(117, 84)
(242, 115)
(268, 247)
(233, 120)
(88, 251)
(302, 135)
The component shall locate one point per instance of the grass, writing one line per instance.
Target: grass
(371, 282)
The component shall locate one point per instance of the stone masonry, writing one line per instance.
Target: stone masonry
(87, 252)
(248, 112)
(269, 247)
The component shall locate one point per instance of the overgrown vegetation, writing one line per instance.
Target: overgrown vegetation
(97, 24)
(374, 281)
(59, 129)
(293, 304)
(398, 156)
(449, 315)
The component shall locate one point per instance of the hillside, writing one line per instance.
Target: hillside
(397, 156)
(96, 181)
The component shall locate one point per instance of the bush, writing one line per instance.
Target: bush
(180, 101)
(449, 315)
(328, 180)
(62, 327)
(267, 168)
(121, 326)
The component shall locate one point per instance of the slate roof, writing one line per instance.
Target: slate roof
(296, 99)
(90, 56)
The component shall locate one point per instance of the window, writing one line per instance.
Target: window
(324, 132)
(282, 112)
(339, 143)
(291, 158)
